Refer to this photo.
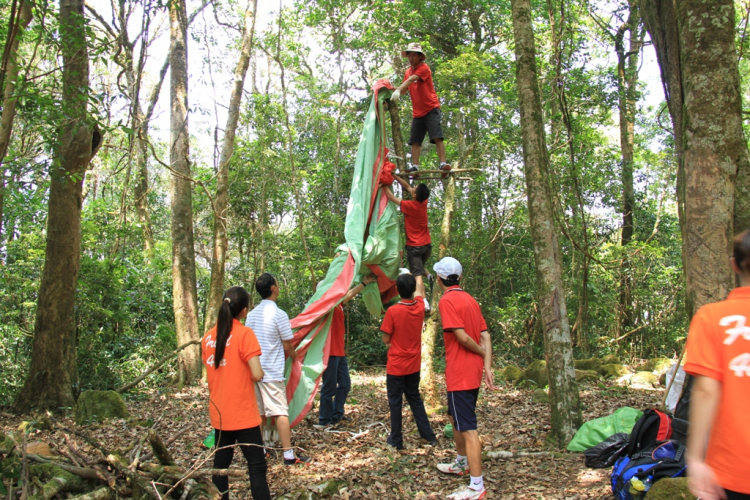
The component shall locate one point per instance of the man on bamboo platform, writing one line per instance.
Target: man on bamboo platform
(426, 113)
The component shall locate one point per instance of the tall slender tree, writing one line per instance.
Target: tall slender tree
(564, 398)
(218, 259)
(52, 381)
(185, 298)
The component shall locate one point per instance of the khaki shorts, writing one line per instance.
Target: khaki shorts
(271, 399)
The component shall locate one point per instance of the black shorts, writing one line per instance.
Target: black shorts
(462, 406)
(417, 258)
(429, 123)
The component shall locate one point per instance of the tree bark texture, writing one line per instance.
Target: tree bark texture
(9, 96)
(52, 381)
(564, 398)
(714, 145)
(185, 300)
(433, 325)
(627, 80)
(221, 202)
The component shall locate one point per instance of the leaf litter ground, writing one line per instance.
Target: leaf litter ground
(364, 466)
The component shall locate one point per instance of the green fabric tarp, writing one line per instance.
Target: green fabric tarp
(595, 431)
(372, 245)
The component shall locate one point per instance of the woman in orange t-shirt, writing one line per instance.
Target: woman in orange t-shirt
(231, 355)
(718, 355)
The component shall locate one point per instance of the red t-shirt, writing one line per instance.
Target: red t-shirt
(403, 322)
(232, 404)
(718, 347)
(337, 333)
(423, 96)
(463, 368)
(415, 220)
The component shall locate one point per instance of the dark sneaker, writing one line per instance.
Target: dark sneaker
(297, 460)
(431, 282)
(413, 168)
(345, 419)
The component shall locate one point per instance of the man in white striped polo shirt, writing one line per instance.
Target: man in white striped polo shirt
(274, 333)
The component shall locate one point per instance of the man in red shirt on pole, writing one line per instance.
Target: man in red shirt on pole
(468, 353)
(402, 333)
(418, 242)
(426, 113)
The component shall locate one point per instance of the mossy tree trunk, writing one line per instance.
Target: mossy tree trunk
(564, 398)
(52, 381)
(185, 299)
(218, 258)
(714, 146)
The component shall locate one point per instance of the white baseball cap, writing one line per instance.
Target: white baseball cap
(448, 266)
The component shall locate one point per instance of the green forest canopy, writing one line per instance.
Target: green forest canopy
(332, 51)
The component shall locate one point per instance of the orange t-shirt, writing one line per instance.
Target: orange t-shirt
(423, 96)
(232, 405)
(718, 347)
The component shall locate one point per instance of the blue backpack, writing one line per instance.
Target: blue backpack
(661, 459)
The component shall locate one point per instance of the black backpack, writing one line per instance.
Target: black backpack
(682, 411)
(653, 426)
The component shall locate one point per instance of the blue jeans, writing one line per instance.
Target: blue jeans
(335, 388)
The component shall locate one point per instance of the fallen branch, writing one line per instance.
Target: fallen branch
(488, 455)
(155, 367)
(102, 493)
(150, 454)
(83, 472)
(160, 449)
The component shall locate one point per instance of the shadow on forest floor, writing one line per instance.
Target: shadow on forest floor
(366, 467)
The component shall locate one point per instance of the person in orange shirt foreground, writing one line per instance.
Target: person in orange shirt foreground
(426, 113)
(718, 355)
(231, 355)
(468, 355)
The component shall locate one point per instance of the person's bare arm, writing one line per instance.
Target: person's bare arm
(486, 342)
(289, 351)
(404, 86)
(704, 401)
(468, 342)
(386, 338)
(357, 289)
(389, 194)
(256, 371)
(407, 187)
(420, 287)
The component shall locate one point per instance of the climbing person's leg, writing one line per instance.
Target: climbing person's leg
(435, 129)
(416, 136)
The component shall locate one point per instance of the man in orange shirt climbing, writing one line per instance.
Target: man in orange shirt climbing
(426, 113)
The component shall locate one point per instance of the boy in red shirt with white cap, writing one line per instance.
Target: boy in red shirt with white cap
(426, 114)
(468, 353)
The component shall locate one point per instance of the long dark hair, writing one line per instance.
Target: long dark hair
(235, 300)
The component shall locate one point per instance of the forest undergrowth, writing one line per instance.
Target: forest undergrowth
(356, 462)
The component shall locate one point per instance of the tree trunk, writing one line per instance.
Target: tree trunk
(185, 300)
(627, 79)
(714, 144)
(564, 398)
(216, 289)
(52, 380)
(432, 327)
(9, 98)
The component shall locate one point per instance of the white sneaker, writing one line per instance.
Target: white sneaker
(468, 494)
(322, 427)
(453, 468)
(426, 306)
